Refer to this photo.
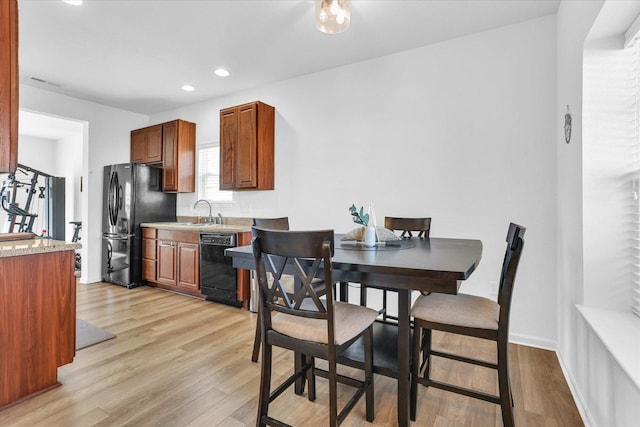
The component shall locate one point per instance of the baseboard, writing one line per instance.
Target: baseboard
(532, 341)
(90, 280)
(583, 409)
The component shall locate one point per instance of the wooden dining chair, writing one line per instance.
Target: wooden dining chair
(407, 227)
(306, 324)
(281, 223)
(471, 316)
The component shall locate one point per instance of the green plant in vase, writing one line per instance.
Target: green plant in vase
(359, 217)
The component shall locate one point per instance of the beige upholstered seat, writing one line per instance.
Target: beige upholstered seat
(460, 310)
(352, 320)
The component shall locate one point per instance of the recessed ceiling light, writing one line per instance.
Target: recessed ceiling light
(188, 88)
(221, 72)
(73, 2)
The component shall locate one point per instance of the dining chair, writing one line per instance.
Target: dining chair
(306, 324)
(408, 226)
(471, 316)
(281, 223)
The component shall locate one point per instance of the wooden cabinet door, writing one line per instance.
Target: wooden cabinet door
(8, 86)
(228, 141)
(188, 265)
(138, 145)
(246, 153)
(146, 145)
(149, 259)
(170, 154)
(166, 267)
(153, 148)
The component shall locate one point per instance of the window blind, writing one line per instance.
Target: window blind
(209, 175)
(634, 46)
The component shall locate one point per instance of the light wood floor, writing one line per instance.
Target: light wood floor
(179, 361)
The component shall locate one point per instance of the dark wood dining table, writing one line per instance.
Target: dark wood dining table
(428, 265)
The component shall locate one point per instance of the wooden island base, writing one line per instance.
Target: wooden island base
(37, 316)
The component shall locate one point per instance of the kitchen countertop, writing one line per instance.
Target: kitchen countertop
(34, 246)
(229, 228)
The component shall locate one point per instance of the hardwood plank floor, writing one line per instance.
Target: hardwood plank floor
(179, 361)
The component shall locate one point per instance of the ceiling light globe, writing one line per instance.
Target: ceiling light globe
(333, 16)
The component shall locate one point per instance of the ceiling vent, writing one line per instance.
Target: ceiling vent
(34, 79)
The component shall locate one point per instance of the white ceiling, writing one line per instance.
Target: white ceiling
(136, 54)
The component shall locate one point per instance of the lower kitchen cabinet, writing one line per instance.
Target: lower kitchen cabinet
(171, 260)
(178, 261)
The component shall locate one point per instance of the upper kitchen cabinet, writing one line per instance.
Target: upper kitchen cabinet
(247, 147)
(172, 146)
(8, 85)
(146, 145)
(179, 156)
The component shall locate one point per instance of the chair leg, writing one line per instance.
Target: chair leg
(368, 373)
(384, 305)
(363, 295)
(333, 390)
(415, 371)
(265, 385)
(256, 342)
(504, 385)
(311, 379)
(426, 352)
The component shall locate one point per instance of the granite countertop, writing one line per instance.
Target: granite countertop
(190, 226)
(35, 246)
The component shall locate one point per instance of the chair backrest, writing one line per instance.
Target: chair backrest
(272, 223)
(408, 225)
(515, 243)
(305, 255)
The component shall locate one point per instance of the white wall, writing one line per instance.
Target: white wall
(463, 131)
(106, 140)
(68, 163)
(37, 153)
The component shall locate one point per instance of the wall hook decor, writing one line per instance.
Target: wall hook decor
(567, 126)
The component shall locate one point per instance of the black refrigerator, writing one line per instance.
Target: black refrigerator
(132, 195)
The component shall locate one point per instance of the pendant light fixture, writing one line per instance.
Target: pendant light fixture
(333, 16)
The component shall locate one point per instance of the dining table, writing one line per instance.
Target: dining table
(432, 264)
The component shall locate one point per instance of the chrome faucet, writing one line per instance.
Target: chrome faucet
(210, 220)
(220, 218)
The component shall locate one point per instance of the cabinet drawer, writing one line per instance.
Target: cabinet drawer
(149, 233)
(149, 270)
(149, 249)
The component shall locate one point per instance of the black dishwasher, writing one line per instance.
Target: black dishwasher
(218, 278)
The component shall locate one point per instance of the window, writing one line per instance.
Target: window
(611, 176)
(634, 46)
(209, 175)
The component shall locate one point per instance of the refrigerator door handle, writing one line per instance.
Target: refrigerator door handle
(109, 236)
(115, 198)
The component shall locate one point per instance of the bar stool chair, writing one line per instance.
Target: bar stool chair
(471, 316)
(304, 323)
